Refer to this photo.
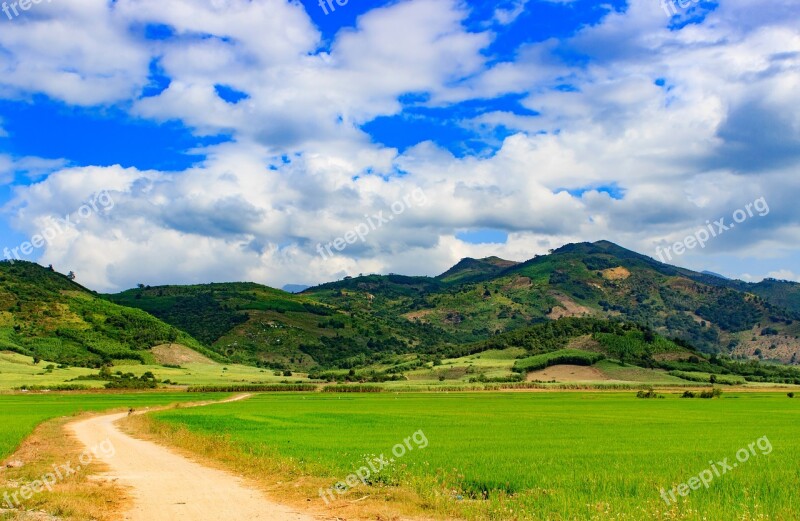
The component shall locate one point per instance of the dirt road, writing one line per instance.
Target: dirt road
(167, 486)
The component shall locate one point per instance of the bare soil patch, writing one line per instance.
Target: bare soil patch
(568, 373)
(178, 354)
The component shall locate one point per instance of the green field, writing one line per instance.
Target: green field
(20, 414)
(553, 456)
(18, 370)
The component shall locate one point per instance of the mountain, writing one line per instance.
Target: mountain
(474, 270)
(47, 316)
(254, 324)
(377, 319)
(706, 272)
(476, 299)
(295, 288)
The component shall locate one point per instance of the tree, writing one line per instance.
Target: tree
(71, 275)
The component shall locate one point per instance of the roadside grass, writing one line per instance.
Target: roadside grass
(21, 414)
(77, 498)
(508, 456)
(40, 420)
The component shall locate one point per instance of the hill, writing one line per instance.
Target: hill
(254, 324)
(45, 315)
(476, 300)
(357, 322)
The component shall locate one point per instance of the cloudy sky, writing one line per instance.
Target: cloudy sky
(226, 140)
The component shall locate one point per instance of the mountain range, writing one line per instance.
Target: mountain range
(364, 320)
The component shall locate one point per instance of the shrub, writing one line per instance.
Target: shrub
(252, 388)
(352, 389)
(790, 395)
(648, 394)
(715, 393)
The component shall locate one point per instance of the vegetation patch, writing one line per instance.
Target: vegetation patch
(563, 356)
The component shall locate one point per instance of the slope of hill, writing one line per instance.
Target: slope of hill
(475, 300)
(45, 315)
(254, 324)
(361, 320)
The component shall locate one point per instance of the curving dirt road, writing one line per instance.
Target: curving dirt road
(167, 486)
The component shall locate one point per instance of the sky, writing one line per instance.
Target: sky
(279, 142)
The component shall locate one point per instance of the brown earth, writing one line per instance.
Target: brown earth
(568, 373)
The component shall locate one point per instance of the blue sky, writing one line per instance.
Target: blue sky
(235, 140)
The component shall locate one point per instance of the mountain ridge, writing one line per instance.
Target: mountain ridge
(368, 318)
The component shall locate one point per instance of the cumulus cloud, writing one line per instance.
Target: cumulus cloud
(687, 122)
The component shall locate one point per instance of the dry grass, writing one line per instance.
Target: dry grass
(568, 308)
(283, 483)
(81, 497)
(177, 354)
(568, 373)
(618, 273)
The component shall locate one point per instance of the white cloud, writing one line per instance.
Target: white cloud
(507, 15)
(721, 129)
(785, 275)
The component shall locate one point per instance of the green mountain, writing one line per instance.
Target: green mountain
(362, 319)
(372, 319)
(254, 324)
(474, 301)
(473, 270)
(45, 315)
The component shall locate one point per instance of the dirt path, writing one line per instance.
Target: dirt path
(167, 486)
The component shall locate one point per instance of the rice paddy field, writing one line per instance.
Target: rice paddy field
(20, 414)
(534, 456)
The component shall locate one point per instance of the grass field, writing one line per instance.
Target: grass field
(17, 370)
(554, 456)
(20, 414)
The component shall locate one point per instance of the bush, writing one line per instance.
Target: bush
(790, 395)
(648, 394)
(252, 388)
(715, 393)
(352, 389)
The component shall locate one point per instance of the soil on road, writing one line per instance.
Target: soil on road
(167, 486)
